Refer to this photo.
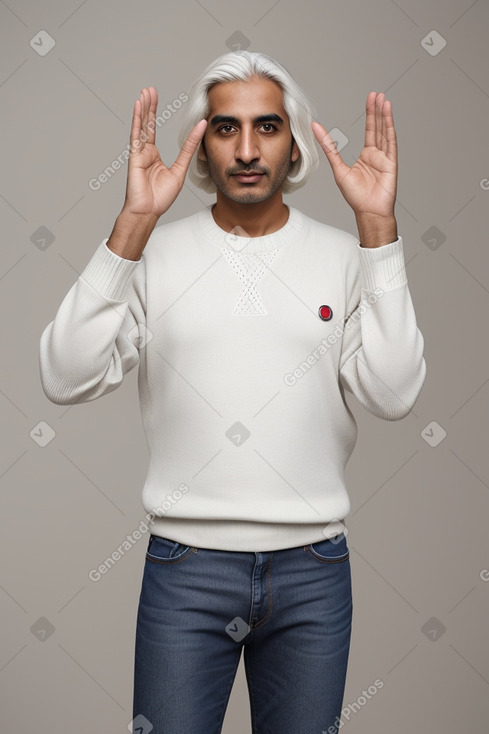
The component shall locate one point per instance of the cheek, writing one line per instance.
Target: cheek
(280, 148)
(282, 153)
(217, 154)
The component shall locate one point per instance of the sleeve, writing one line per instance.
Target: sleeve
(95, 337)
(382, 361)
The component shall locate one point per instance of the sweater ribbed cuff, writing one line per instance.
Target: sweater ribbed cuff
(383, 267)
(109, 273)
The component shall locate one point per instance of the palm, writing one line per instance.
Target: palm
(152, 187)
(369, 185)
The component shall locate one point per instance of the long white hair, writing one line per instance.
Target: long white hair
(242, 66)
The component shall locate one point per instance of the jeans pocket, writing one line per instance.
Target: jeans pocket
(164, 550)
(330, 550)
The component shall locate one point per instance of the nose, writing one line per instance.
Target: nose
(247, 149)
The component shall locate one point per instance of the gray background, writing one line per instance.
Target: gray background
(418, 525)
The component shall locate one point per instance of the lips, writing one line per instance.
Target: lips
(251, 177)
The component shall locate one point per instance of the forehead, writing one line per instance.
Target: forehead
(254, 97)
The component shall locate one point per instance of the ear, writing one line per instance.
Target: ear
(201, 154)
(295, 152)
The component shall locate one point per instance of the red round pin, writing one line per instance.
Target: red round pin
(325, 313)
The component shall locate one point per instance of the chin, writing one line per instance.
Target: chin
(248, 197)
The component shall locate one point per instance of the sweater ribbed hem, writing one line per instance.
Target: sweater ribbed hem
(109, 273)
(383, 267)
(239, 243)
(240, 535)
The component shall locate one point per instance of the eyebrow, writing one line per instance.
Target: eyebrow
(218, 119)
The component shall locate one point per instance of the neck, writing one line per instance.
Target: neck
(257, 219)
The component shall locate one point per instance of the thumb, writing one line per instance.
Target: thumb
(329, 146)
(188, 149)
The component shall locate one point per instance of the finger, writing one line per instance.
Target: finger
(329, 146)
(145, 112)
(188, 149)
(370, 120)
(379, 120)
(150, 129)
(389, 132)
(135, 127)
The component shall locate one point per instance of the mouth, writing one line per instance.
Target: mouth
(251, 177)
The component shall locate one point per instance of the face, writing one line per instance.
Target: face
(248, 130)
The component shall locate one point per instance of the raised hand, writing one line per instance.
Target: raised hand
(151, 186)
(370, 185)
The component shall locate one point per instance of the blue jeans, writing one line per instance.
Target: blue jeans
(291, 612)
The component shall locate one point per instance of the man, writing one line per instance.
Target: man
(248, 321)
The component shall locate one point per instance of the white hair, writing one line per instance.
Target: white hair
(242, 66)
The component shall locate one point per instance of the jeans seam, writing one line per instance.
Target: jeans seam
(269, 606)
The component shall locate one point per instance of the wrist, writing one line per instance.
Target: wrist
(375, 230)
(130, 234)
(132, 221)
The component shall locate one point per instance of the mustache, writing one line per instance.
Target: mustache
(247, 169)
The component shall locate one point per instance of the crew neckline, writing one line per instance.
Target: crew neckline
(230, 241)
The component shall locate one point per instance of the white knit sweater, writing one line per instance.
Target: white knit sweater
(241, 382)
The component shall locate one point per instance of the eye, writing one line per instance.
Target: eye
(223, 126)
(269, 125)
